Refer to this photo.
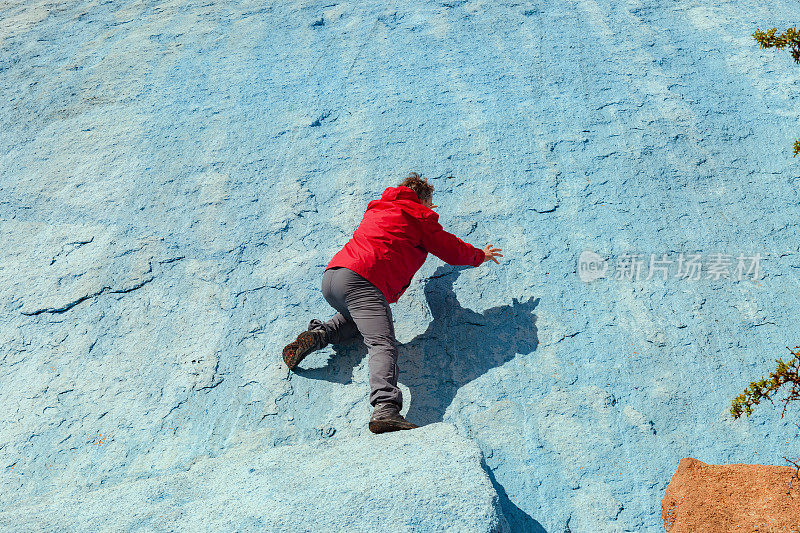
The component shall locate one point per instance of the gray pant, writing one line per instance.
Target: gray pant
(363, 309)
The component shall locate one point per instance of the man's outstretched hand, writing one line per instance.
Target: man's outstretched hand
(491, 253)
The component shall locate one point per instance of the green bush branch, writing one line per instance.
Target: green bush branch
(766, 388)
(791, 39)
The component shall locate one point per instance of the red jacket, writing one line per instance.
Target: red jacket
(393, 241)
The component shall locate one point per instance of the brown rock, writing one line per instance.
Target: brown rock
(703, 498)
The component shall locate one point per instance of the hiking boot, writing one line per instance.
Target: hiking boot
(306, 342)
(388, 420)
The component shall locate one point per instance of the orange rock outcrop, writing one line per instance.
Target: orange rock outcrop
(728, 498)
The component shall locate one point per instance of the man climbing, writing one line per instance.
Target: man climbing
(373, 270)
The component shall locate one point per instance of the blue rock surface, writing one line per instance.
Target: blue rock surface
(432, 479)
(175, 176)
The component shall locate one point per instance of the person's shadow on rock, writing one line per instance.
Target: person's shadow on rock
(459, 346)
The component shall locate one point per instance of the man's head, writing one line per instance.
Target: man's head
(419, 185)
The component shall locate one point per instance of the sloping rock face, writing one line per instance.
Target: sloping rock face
(431, 480)
(725, 498)
(175, 175)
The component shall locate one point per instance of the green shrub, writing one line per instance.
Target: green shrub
(785, 373)
(791, 39)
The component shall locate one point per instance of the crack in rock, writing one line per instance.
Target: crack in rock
(70, 305)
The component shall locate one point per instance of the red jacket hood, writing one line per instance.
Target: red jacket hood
(400, 193)
(408, 199)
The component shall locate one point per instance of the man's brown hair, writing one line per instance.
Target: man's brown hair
(419, 185)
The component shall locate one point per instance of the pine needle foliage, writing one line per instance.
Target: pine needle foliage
(789, 39)
(786, 373)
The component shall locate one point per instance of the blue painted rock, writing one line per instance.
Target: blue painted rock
(429, 479)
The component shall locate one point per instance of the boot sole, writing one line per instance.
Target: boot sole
(384, 426)
(296, 351)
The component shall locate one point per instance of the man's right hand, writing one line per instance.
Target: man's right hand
(491, 253)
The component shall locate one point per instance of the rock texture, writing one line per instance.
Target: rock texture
(725, 498)
(175, 175)
(431, 480)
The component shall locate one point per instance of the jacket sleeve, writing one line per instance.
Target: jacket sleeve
(447, 246)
